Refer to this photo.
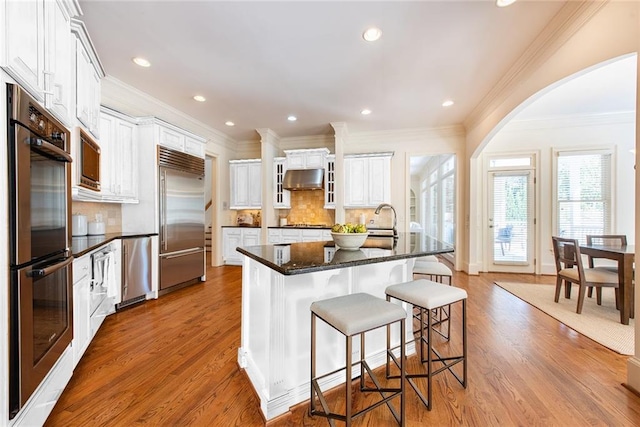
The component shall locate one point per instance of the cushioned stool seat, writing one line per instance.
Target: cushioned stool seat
(355, 314)
(427, 258)
(435, 270)
(427, 296)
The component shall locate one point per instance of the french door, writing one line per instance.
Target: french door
(511, 236)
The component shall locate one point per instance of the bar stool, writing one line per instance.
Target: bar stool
(428, 295)
(352, 315)
(436, 271)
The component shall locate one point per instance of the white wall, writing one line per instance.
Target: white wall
(595, 33)
(616, 131)
(416, 142)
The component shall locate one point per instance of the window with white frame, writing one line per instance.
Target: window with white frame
(438, 196)
(583, 193)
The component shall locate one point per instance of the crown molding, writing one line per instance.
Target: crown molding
(402, 135)
(308, 141)
(571, 18)
(582, 120)
(119, 96)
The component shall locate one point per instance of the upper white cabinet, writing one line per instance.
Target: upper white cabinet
(119, 157)
(367, 180)
(88, 72)
(173, 137)
(312, 158)
(38, 51)
(330, 182)
(281, 197)
(246, 189)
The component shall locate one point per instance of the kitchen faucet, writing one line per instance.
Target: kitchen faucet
(395, 217)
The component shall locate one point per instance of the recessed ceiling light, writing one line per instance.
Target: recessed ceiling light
(229, 123)
(372, 34)
(199, 98)
(292, 118)
(504, 3)
(365, 112)
(447, 103)
(141, 62)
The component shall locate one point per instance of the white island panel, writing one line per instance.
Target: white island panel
(275, 342)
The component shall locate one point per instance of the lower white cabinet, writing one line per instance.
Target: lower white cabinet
(233, 237)
(92, 303)
(41, 403)
(295, 235)
(81, 295)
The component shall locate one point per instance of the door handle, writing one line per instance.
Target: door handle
(41, 272)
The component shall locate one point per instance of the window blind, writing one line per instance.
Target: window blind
(583, 184)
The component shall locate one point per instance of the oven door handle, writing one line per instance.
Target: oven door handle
(41, 272)
(58, 153)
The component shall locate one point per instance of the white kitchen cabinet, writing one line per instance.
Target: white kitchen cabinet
(233, 237)
(173, 137)
(245, 180)
(274, 236)
(81, 291)
(367, 180)
(44, 398)
(88, 73)
(330, 182)
(295, 235)
(194, 146)
(38, 50)
(281, 197)
(311, 158)
(118, 157)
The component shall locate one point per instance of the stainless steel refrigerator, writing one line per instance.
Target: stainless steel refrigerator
(181, 186)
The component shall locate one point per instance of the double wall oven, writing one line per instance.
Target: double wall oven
(40, 292)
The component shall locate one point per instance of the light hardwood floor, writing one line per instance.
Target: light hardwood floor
(172, 362)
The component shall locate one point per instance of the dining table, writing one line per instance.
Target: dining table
(624, 255)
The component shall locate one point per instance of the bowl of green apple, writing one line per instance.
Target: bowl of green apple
(349, 237)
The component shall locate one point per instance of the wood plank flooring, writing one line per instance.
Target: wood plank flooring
(172, 362)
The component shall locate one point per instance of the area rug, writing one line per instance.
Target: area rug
(600, 323)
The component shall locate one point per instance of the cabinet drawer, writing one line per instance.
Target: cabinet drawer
(311, 235)
(81, 268)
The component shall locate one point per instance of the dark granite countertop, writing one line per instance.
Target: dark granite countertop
(299, 227)
(299, 258)
(84, 244)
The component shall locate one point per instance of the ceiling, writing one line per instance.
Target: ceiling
(258, 62)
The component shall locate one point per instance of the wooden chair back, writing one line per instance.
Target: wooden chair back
(567, 254)
(616, 240)
(607, 239)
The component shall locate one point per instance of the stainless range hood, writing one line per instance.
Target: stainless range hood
(303, 179)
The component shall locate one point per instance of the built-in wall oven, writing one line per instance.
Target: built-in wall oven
(40, 293)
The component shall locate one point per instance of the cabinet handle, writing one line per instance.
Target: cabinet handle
(126, 276)
(163, 226)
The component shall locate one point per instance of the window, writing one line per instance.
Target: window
(438, 197)
(583, 191)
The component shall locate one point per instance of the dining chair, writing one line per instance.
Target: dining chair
(617, 240)
(570, 269)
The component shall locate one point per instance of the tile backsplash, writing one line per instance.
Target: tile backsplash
(308, 207)
(383, 220)
(111, 213)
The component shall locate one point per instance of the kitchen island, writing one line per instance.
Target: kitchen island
(279, 283)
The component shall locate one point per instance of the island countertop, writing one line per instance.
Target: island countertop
(300, 258)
